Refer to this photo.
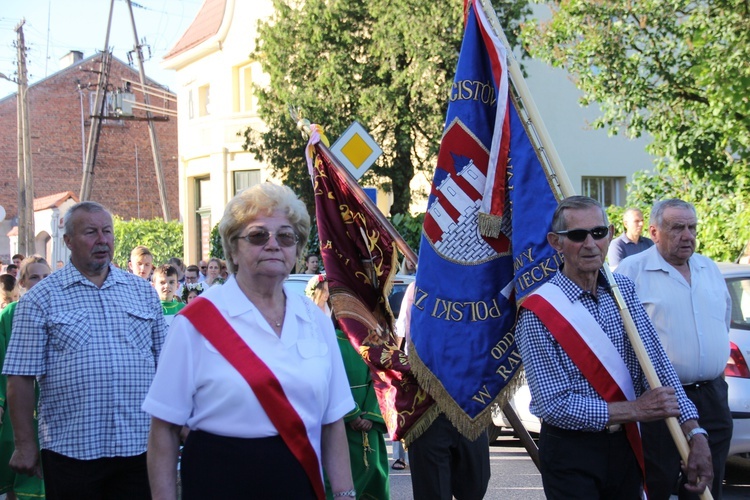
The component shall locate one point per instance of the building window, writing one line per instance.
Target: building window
(246, 88)
(244, 179)
(204, 100)
(243, 98)
(606, 190)
(191, 105)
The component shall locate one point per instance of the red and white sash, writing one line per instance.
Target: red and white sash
(588, 346)
(211, 324)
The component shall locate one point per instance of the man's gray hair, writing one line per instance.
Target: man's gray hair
(574, 203)
(86, 206)
(657, 211)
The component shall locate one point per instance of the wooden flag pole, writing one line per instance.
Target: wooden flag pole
(515, 76)
(648, 369)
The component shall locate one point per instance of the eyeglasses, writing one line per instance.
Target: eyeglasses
(579, 235)
(261, 237)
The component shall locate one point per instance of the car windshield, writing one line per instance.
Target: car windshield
(739, 289)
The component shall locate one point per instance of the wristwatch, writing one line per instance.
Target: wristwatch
(352, 493)
(698, 430)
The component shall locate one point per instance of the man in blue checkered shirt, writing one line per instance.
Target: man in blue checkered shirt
(90, 334)
(583, 449)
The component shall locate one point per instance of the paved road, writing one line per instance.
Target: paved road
(514, 476)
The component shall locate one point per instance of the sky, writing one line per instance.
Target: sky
(55, 27)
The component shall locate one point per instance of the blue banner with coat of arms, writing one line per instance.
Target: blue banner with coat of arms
(483, 242)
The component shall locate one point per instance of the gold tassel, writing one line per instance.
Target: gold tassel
(471, 428)
(489, 225)
(367, 449)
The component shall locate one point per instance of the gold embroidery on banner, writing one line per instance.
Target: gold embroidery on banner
(347, 305)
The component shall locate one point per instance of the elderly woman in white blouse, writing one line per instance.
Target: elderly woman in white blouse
(254, 371)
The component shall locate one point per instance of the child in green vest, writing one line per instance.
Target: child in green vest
(164, 280)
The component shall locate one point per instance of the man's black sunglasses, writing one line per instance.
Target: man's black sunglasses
(579, 235)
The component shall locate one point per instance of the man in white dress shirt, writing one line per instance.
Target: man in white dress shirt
(687, 299)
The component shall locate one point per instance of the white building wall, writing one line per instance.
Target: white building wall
(208, 145)
(583, 150)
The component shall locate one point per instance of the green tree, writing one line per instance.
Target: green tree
(410, 228)
(217, 249)
(385, 63)
(675, 69)
(163, 239)
(723, 207)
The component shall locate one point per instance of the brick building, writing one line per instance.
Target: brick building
(60, 107)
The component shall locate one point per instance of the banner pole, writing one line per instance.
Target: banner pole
(515, 75)
(304, 126)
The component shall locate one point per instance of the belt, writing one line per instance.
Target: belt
(697, 385)
(608, 429)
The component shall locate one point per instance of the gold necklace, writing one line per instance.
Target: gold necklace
(271, 321)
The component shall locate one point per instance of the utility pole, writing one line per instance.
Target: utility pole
(25, 173)
(96, 119)
(150, 119)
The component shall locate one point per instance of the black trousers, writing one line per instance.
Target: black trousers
(588, 465)
(445, 464)
(237, 468)
(108, 478)
(662, 457)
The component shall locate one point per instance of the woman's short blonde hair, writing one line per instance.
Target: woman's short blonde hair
(261, 200)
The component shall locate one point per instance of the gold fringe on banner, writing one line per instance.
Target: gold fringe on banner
(489, 225)
(471, 428)
(421, 425)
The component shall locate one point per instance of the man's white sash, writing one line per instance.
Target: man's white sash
(591, 333)
(588, 346)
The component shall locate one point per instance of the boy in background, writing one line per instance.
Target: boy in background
(141, 262)
(12, 269)
(165, 282)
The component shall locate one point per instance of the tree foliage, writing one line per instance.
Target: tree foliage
(723, 208)
(216, 248)
(388, 64)
(675, 69)
(410, 228)
(163, 239)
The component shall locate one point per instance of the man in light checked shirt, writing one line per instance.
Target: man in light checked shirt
(91, 335)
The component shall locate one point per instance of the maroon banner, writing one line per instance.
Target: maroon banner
(360, 260)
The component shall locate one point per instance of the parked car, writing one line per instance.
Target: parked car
(737, 373)
(520, 403)
(298, 282)
(737, 277)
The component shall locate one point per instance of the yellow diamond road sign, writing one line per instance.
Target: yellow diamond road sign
(356, 150)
